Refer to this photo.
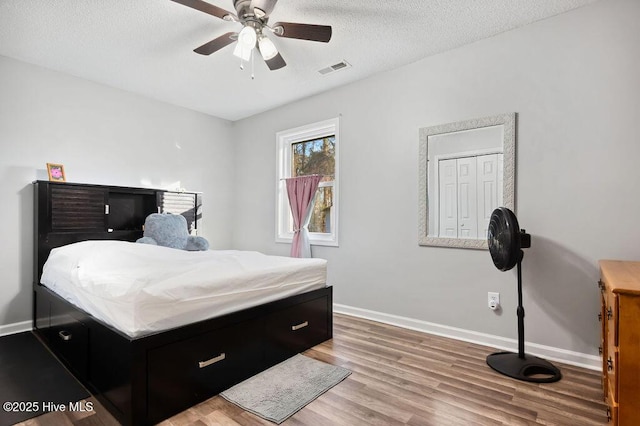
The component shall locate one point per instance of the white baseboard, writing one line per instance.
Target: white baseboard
(591, 362)
(16, 327)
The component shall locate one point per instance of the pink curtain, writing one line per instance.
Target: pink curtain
(301, 191)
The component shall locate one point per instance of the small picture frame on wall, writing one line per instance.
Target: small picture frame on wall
(56, 172)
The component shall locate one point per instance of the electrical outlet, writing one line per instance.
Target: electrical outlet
(493, 300)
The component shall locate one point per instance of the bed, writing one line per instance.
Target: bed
(154, 350)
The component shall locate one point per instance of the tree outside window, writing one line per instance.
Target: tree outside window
(317, 157)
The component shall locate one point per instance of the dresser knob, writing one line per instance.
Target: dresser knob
(609, 364)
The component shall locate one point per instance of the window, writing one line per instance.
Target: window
(309, 150)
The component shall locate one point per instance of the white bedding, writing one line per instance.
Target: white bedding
(141, 289)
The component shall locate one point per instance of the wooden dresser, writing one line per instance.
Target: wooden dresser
(620, 343)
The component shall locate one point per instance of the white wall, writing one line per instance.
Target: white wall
(573, 80)
(101, 135)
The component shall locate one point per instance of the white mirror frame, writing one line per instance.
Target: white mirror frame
(509, 165)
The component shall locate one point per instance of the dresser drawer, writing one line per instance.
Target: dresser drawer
(69, 339)
(296, 329)
(611, 343)
(602, 316)
(612, 374)
(187, 372)
(612, 318)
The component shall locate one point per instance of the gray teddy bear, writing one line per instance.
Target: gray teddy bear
(170, 230)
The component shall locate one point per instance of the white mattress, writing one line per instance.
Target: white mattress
(140, 289)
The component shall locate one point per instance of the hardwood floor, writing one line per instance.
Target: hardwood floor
(404, 377)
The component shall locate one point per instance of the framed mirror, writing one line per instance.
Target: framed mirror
(466, 170)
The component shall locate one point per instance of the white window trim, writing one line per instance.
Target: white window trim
(284, 140)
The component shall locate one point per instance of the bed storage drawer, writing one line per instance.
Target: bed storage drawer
(189, 371)
(296, 329)
(69, 338)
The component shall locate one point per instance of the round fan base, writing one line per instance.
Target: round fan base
(529, 368)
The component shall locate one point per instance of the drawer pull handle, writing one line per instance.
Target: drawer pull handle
(203, 364)
(65, 335)
(600, 317)
(299, 326)
(609, 313)
(609, 364)
(608, 414)
(600, 285)
(600, 350)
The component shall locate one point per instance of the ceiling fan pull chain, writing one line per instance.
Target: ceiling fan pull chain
(252, 75)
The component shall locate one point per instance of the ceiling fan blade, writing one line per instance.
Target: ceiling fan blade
(205, 7)
(216, 44)
(276, 62)
(303, 31)
(265, 7)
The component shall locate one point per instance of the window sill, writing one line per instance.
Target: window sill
(312, 241)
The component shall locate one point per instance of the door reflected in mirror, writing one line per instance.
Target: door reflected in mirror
(467, 170)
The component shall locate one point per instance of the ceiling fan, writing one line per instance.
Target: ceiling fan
(254, 17)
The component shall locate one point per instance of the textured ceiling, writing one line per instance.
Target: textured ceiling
(146, 46)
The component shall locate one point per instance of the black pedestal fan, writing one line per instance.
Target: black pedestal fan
(506, 240)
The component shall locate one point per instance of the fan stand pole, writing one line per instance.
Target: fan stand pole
(520, 312)
(520, 366)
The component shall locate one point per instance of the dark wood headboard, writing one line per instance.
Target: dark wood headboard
(66, 213)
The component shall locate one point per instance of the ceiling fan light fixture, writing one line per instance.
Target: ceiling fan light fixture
(246, 42)
(248, 37)
(241, 52)
(267, 48)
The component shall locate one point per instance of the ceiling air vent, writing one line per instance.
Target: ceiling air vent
(335, 67)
